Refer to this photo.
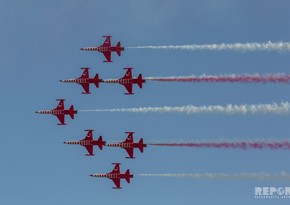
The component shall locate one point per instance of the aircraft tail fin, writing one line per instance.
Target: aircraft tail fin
(128, 175)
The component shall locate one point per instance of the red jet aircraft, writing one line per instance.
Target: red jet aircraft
(84, 80)
(106, 48)
(88, 142)
(60, 112)
(128, 81)
(129, 145)
(116, 176)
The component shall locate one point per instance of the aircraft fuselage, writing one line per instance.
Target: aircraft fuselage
(121, 81)
(83, 142)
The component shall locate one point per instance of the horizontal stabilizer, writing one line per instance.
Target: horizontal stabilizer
(101, 143)
(97, 80)
(140, 81)
(141, 145)
(72, 112)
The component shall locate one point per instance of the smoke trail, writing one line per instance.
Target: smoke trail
(231, 145)
(253, 46)
(245, 78)
(274, 108)
(255, 176)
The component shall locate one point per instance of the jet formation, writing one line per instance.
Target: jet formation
(89, 142)
(128, 144)
(127, 81)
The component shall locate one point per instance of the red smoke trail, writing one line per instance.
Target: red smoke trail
(246, 78)
(231, 145)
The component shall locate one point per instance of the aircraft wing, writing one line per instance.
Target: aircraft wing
(89, 135)
(86, 87)
(107, 55)
(128, 74)
(60, 105)
(129, 88)
(107, 41)
(61, 119)
(129, 138)
(85, 73)
(90, 149)
(117, 182)
(130, 152)
(116, 169)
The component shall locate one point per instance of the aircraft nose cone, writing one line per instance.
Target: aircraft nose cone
(65, 142)
(81, 48)
(36, 112)
(91, 175)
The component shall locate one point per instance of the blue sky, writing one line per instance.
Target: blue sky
(40, 43)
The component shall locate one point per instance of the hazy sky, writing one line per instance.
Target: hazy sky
(40, 43)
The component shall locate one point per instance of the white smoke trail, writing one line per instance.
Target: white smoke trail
(244, 145)
(255, 176)
(274, 108)
(252, 46)
(242, 78)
